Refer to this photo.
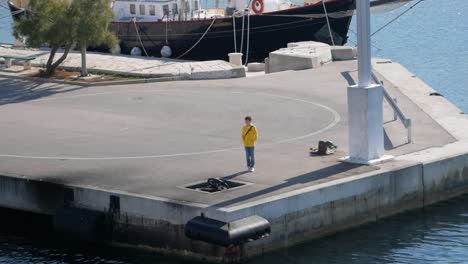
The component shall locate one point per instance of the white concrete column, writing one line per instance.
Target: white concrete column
(366, 138)
(365, 112)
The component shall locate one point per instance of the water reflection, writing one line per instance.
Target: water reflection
(436, 234)
(6, 24)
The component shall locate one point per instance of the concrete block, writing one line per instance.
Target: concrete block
(210, 74)
(238, 72)
(342, 53)
(320, 49)
(267, 65)
(256, 67)
(283, 61)
(300, 56)
(235, 58)
(307, 44)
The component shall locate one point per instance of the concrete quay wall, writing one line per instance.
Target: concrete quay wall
(295, 217)
(349, 203)
(154, 223)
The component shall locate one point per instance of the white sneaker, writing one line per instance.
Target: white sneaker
(251, 169)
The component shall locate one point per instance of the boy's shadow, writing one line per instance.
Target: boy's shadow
(232, 176)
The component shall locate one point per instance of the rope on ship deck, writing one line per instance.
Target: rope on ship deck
(196, 43)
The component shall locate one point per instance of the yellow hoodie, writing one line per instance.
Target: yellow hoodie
(250, 137)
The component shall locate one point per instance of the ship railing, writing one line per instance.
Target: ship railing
(397, 112)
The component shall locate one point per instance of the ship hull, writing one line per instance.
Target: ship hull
(267, 32)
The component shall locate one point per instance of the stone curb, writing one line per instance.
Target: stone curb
(88, 84)
(200, 74)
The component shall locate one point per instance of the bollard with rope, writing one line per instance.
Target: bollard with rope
(243, 14)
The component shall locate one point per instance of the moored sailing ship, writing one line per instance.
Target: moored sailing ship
(182, 29)
(186, 30)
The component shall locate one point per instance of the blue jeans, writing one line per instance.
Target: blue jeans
(250, 156)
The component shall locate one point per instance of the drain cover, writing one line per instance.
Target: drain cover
(215, 185)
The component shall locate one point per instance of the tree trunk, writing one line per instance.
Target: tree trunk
(51, 59)
(84, 70)
(51, 69)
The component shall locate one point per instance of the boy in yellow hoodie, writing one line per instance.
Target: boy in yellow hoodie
(249, 136)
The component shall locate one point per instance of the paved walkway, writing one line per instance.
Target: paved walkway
(153, 139)
(137, 66)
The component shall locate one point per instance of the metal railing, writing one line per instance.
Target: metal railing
(397, 113)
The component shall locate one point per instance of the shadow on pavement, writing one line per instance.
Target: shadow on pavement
(232, 176)
(14, 91)
(340, 168)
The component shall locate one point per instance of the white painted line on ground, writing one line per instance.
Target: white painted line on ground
(336, 119)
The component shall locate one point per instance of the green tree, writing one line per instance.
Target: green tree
(92, 28)
(64, 24)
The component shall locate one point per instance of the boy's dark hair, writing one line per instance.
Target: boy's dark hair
(248, 118)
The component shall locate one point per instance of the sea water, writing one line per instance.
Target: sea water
(6, 22)
(431, 41)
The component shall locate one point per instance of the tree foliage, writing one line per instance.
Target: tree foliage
(64, 24)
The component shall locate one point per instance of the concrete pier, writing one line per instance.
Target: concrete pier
(138, 66)
(126, 154)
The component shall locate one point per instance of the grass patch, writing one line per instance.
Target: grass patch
(73, 75)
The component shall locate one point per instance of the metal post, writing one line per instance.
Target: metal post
(364, 42)
(409, 127)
